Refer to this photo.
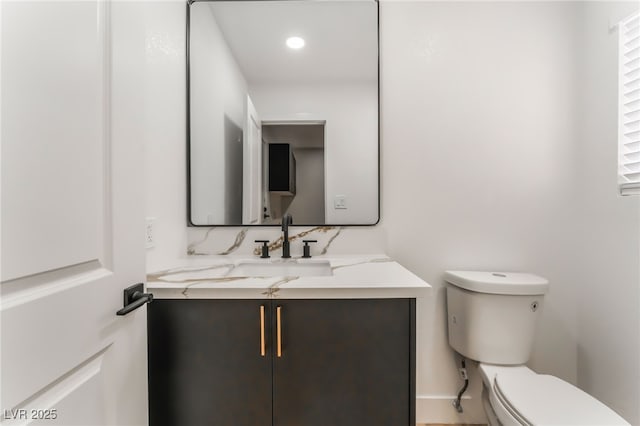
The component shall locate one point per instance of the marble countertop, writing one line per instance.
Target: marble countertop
(213, 277)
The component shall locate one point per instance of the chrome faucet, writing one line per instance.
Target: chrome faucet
(287, 220)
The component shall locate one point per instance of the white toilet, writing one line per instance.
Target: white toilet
(491, 319)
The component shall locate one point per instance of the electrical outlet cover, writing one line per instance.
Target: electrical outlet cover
(150, 232)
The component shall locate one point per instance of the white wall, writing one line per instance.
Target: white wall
(165, 143)
(488, 161)
(351, 165)
(218, 90)
(608, 294)
(478, 139)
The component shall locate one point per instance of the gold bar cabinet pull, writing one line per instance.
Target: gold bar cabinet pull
(263, 348)
(279, 331)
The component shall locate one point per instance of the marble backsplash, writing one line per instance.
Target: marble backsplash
(240, 241)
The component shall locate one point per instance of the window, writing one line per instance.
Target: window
(629, 106)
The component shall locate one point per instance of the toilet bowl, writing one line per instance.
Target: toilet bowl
(516, 395)
(491, 319)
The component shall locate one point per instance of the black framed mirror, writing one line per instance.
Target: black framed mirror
(283, 112)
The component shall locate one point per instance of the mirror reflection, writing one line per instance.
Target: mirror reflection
(283, 112)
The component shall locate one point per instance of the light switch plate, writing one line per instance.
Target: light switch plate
(340, 202)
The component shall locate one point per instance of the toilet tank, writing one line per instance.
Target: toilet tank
(492, 315)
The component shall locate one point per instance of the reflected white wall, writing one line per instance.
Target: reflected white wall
(217, 117)
(351, 139)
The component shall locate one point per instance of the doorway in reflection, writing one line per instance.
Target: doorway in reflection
(294, 171)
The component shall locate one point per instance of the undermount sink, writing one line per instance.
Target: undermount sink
(292, 268)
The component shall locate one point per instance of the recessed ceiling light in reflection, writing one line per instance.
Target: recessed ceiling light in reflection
(295, 42)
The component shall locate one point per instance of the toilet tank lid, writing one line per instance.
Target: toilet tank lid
(509, 283)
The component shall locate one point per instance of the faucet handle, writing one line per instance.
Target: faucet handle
(306, 250)
(265, 248)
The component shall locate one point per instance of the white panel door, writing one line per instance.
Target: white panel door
(72, 215)
(252, 174)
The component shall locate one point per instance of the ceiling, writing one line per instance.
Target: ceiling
(341, 39)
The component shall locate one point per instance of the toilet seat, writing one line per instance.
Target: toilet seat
(528, 398)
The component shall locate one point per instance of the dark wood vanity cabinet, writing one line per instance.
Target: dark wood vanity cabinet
(325, 362)
(205, 367)
(345, 362)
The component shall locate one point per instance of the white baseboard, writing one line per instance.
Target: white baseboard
(439, 409)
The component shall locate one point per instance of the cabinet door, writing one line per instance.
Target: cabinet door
(345, 363)
(205, 363)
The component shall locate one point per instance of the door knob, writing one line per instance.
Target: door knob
(134, 297)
